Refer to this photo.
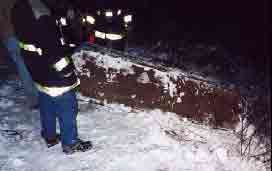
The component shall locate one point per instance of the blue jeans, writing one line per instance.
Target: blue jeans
(63, 107)
(12, 45)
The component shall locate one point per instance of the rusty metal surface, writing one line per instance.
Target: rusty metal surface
(192, 98)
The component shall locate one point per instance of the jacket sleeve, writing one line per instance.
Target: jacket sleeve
(58, 56)
(49, 40)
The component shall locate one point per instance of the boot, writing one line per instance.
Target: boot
(80, 146)
(50, 142)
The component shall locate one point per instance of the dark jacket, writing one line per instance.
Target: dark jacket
(42, 33)
(6, 28)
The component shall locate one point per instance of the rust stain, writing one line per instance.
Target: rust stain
(215, 106)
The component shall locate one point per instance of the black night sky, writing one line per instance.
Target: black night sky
(238, 25)
(241, 26)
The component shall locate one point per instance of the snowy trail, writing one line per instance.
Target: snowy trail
(124, 140)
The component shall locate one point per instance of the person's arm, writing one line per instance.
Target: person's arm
(57, 55)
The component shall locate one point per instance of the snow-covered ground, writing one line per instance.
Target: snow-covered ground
(124, 140)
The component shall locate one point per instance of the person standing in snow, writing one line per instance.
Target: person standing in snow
(52, 70)
(11, 43)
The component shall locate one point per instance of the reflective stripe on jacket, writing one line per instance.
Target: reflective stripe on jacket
(56, 91)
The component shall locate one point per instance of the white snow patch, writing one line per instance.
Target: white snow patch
(106, 61)
(80, 63)
(18, 163)
(101, 94)
(179, 100)
(147, 69)
(133, 96)
(143, 78)
(196, 92)
(5, 90)
(168, 84)
(5, 103)
(182, 94)
(110, 77)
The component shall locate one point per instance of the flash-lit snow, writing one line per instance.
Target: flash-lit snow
(124, 140)
(143, 78)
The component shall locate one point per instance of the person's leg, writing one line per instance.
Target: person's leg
(67, 109)
(12, 45)
(47, 116)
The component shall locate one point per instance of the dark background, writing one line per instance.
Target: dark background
(238, 25)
